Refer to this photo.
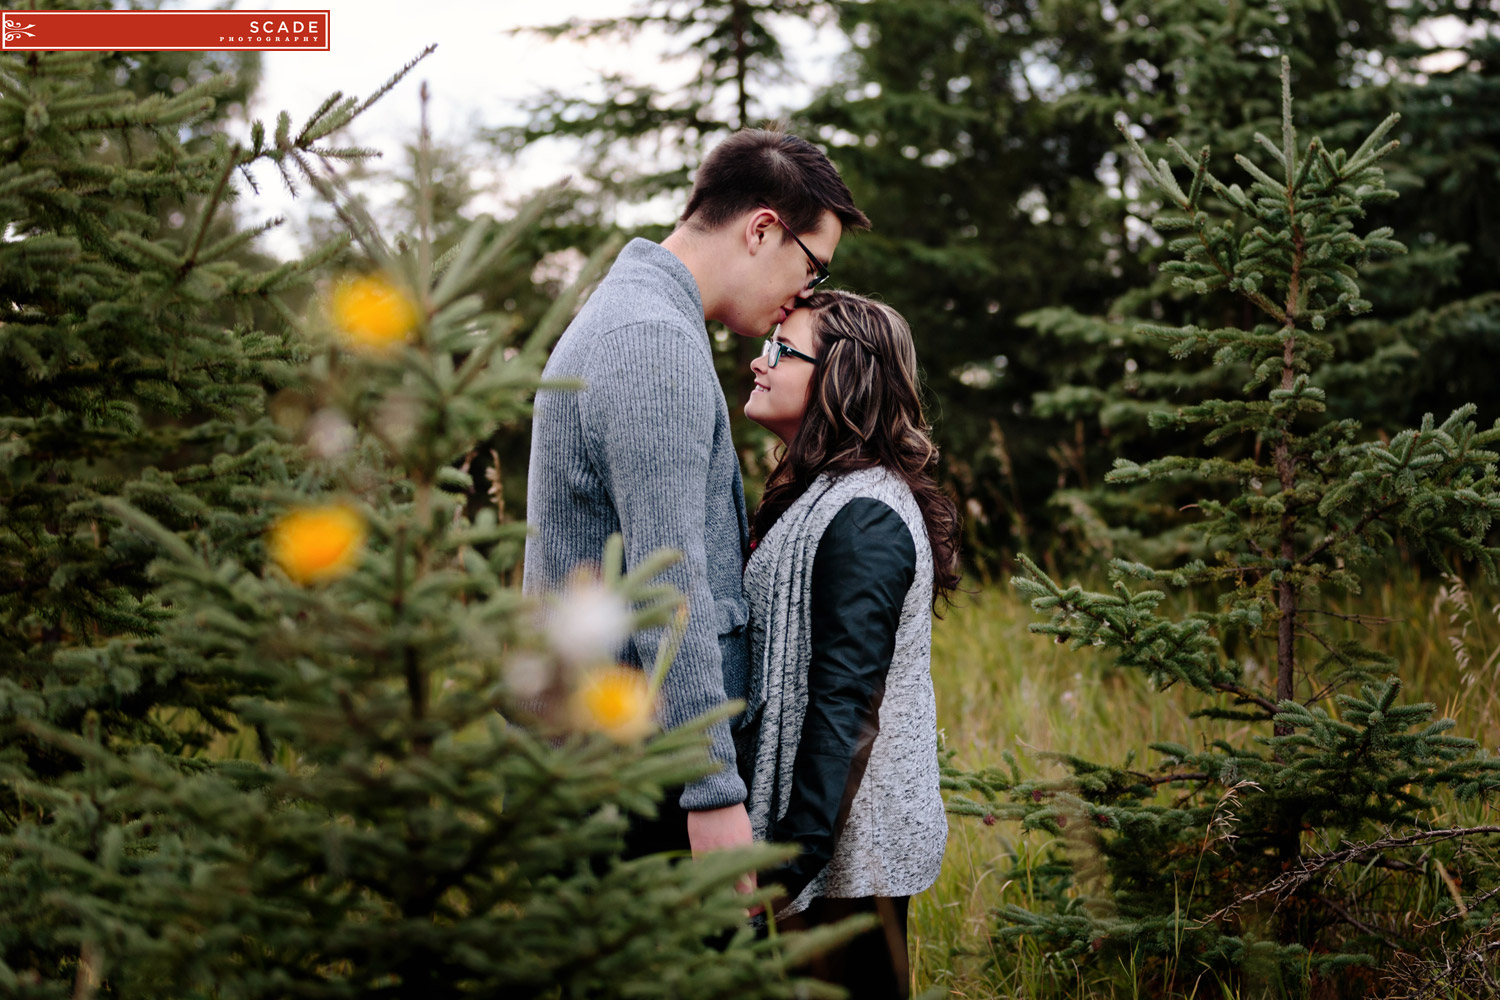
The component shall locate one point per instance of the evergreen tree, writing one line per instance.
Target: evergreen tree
(1011, 227)
(1195, 71)
(141, 333)
(529, 277)
(141, 336)
(1284, 863)
(395, 835)
(734, 51)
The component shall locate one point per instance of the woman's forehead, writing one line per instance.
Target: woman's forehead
(797, 330)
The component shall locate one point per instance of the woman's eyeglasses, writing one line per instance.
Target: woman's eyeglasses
(774, 349)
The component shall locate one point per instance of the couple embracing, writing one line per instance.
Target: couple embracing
(816, 609)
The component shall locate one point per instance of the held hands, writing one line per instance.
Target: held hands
(718, 829)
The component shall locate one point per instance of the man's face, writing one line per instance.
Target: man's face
(776, 274)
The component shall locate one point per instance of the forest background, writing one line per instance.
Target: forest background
(1013, 233)
(1011, 228)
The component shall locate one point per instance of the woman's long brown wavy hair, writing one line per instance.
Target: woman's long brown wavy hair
(864, 409)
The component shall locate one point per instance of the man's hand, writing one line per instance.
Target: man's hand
(717, 829)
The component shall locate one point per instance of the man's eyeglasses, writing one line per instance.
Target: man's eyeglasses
(822, 274)
(774, 349)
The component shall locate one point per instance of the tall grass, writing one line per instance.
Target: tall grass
(1001, 688)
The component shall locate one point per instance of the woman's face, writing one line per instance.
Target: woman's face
(780, 396)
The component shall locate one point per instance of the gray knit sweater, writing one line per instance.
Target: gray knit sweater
(645, 450)
(893, 839)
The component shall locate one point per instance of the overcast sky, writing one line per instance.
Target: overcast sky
(479, 75)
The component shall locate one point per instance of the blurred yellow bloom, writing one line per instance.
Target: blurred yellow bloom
(615, 701)
(372, 314)
(314, 544)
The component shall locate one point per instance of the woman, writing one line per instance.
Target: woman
(853, 543)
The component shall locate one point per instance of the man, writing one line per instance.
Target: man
(645, 449)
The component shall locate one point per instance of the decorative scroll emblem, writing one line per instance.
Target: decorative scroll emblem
(14, 30)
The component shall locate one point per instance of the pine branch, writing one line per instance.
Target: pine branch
(1366, 620)
(1343, 914)
(1312, 866)
(1245, 694)
(1340, 533)
(396, 78)
(1463, 911)
(209, 208)
(1167, 779)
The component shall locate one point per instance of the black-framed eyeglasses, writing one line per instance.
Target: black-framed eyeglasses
(774, 350)
(822, 274)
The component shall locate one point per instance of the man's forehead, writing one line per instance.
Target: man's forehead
(823, 240)
(829, 226)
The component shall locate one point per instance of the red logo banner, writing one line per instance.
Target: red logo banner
(164, 30)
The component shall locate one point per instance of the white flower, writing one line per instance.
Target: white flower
(329, 433)
(527, 675)
(588, 623)
(397, 416)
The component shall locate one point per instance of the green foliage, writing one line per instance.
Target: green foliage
(1395, 364)
(386, 827)
(1010, 227)
(733, 50)
(1294, 504)
(141, 334)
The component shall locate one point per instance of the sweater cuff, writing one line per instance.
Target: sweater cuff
(724, 787)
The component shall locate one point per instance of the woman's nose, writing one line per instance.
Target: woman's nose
(758, 365)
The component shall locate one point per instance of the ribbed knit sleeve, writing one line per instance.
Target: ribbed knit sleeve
(648, 421)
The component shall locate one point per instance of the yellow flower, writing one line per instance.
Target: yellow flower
(314, 544)
(615, 701)
(373, 314)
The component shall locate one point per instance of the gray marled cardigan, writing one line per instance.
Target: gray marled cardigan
(892, 842)
(645, 450)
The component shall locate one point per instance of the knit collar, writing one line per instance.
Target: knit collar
(685, 296)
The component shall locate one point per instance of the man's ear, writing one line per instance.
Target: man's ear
(758, 225)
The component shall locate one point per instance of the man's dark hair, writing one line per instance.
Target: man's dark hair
(774, 168)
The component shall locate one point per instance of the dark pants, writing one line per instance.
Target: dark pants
(872, 966)
(666, 832)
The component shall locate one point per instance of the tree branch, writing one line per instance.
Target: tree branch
(1310, 867)
(1245, 694)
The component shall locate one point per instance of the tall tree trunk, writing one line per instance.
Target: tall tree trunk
(741, 69)
(1288, 838)
(745, 348)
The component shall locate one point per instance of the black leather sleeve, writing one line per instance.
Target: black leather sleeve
(865, 564)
